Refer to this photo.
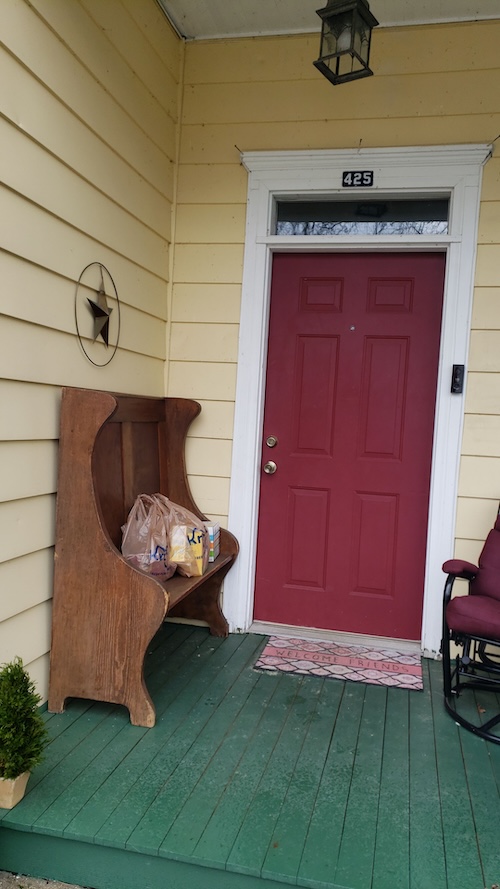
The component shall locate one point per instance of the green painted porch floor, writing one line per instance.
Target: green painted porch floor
(252, 780)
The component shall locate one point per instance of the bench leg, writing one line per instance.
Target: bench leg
(203, 603)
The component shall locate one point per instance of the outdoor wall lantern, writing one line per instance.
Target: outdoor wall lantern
(345, 40)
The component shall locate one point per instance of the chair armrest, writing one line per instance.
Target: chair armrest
(456, 568)
(460, 568)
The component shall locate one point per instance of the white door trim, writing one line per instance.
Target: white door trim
(453, 170)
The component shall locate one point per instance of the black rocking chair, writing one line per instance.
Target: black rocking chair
(473, 623)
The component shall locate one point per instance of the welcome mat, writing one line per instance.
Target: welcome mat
(356, 663)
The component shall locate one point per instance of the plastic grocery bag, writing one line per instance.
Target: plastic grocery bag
(188, 538)
(145, 541)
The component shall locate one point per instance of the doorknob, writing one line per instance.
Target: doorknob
(270, 467)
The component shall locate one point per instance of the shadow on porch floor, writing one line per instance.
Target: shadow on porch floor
(252, 780)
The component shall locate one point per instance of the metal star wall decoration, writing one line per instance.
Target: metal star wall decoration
(106, 322)
(101, 313)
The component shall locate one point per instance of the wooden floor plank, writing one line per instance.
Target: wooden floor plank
(217, 840)
(197, 807)
(483, 790)
(463, 864)
(79, 774)
(355, 864)
(192, 751)
(426, 829)
(186, 718)
(61, 740)
(60, 765)
(321, 849)
(181, 686)
(252, 843)
(392, 850)
(92, 760)
(287, 841)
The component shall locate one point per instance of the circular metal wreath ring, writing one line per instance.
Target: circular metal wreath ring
(80, 339)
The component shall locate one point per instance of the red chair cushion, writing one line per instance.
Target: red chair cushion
(474, 616)
(487, 580)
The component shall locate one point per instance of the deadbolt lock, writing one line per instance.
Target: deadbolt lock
(271, 441)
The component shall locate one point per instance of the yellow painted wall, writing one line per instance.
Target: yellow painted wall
(89, 95)
(433, 85)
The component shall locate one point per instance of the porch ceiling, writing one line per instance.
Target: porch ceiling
(205, 19)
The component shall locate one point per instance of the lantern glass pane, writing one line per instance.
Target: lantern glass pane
(361, 44)
(328, 42)
(337, 35)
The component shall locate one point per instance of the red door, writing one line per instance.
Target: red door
(350, 398)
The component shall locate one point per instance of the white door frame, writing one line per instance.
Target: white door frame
(451, 170)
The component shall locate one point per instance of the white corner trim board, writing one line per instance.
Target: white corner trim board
(446, 170)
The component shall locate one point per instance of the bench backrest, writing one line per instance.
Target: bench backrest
(140, 449)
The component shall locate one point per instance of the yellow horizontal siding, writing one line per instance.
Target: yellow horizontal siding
(202, 223)
(56, 289)
(214, 263)
(41, 52)
(208, 382)
(29, 411)
(212, 184)
(210, 303)
(211, 457)
(211, 494)
(26, 635)
(54, 309)
(216, 143)
(216, 420)
(489, 223)
(469, 550)
(130, 34)
(89, 39)
(204, 342)
(51, 124)
(481, 435)
(25, 582)
(426, 95)
(39, 673)
(56, 358)
(485, 351)
(415, 50)
(27, 469)
(147, 23)
(488, 261)
(75, 203)
(483, 393)
(491, 178)
(479, 477)
(26, 526)
(486, 311)
(475, 517)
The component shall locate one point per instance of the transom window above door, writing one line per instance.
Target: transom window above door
(377, 216)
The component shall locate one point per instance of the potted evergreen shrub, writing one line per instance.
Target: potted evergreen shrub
(23, 733)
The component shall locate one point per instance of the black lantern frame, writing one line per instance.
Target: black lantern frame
(345, 40)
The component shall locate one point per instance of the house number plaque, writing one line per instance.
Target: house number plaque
(357, 179)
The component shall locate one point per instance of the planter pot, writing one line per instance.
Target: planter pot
(12, 790)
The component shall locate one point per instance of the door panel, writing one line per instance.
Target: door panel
(350, 396)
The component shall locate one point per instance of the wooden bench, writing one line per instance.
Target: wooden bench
(105, 612)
